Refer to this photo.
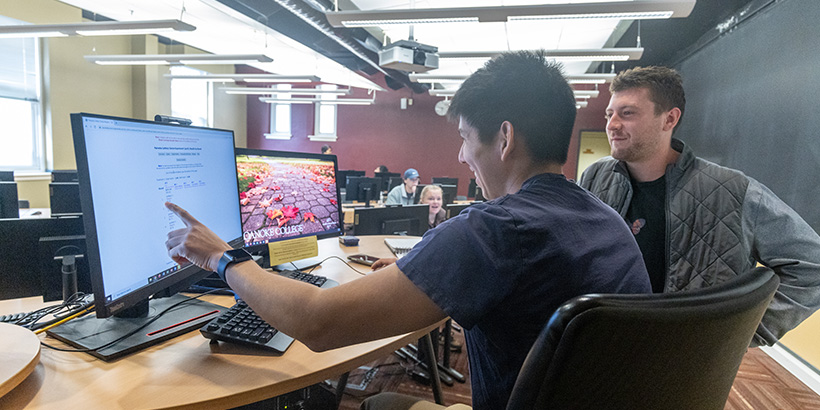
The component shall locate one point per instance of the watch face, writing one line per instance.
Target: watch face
(238, 254)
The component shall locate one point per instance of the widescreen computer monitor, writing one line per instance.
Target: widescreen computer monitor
(448, 193)
(341, 176)
(391, 220)
(363, 189)
(64, 175)
(445, 181)
(385, 177)
(287, 195)
(8, 200)
(64, 198)
(471, 188)
(394, 182)
(455, 209)
(127, 170)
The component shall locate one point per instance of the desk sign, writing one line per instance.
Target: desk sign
(293, 250)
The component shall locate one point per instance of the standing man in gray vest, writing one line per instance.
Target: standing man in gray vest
(698, 223)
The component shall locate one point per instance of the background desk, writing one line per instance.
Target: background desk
(189, 372)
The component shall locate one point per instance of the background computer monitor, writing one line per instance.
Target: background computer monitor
(341, 176)
(391, 220)
(363, 189)
(287, 195)
(471, 188)
(385, 177)
(445, 181)
(448, 193)
(64, 198)
(54, 250)
(394, 182)
(127, 170)
(455, 209)
(64, 175)
(8, 200)
(20, 252)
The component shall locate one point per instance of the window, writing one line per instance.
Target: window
(191, 99)
(280, 116)
(325, 122)
(21, 144)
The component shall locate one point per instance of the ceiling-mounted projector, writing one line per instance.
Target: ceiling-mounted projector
(408, 55)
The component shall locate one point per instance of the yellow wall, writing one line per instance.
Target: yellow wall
(71, 85)
(592, 146)
(802, 340)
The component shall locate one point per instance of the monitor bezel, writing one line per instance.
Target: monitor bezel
(291, 154)
(102, 307)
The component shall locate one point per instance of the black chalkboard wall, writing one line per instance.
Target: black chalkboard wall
(753, 102)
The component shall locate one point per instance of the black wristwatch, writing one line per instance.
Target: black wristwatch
(229, 257)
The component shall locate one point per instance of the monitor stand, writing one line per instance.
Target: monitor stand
(89, 332)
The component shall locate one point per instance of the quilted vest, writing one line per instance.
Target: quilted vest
(704, 230)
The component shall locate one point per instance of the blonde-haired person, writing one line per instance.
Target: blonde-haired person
(433, 196)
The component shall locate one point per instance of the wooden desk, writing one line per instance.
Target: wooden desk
(189, 372)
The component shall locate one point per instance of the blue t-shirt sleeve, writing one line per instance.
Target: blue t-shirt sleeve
(468, 264)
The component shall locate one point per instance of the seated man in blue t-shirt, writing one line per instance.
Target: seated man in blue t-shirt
(500, 269)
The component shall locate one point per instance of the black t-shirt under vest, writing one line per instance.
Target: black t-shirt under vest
(647, 218)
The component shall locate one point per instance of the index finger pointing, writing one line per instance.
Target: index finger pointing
(186, 218)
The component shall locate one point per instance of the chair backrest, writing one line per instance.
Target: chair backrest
(660, 351)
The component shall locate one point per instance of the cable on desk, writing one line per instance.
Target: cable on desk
(133, 332)
(72, 305)
(343, 261)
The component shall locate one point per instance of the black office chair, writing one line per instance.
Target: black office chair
(661, 351)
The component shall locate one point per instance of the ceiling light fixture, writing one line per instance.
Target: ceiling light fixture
(248, 78)
(581, 104)
(595, 78)
(632, 10)
(442, 92)
(338, 101)
(292, 91)
(586, 93)
(177, 59)
(96, 28)
(437, 78)
(601, 54)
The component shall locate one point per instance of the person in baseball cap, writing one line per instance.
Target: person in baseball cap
(404, 194)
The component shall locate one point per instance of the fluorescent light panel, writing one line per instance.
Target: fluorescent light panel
(248, 78)
(602, 54)
(292, 91)
(633, 10)
(96, 28)
(338, 101)
(167, 59)
(586, 93)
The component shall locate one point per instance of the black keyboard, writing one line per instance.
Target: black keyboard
(241, 325)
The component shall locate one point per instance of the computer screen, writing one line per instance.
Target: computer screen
(385, 177)
(64, 198)
(127, 170)
(363, 189)
(341, 176)
(286, 195)
(394, 182)
(8, 200)
(391, 220)
(445, 181)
